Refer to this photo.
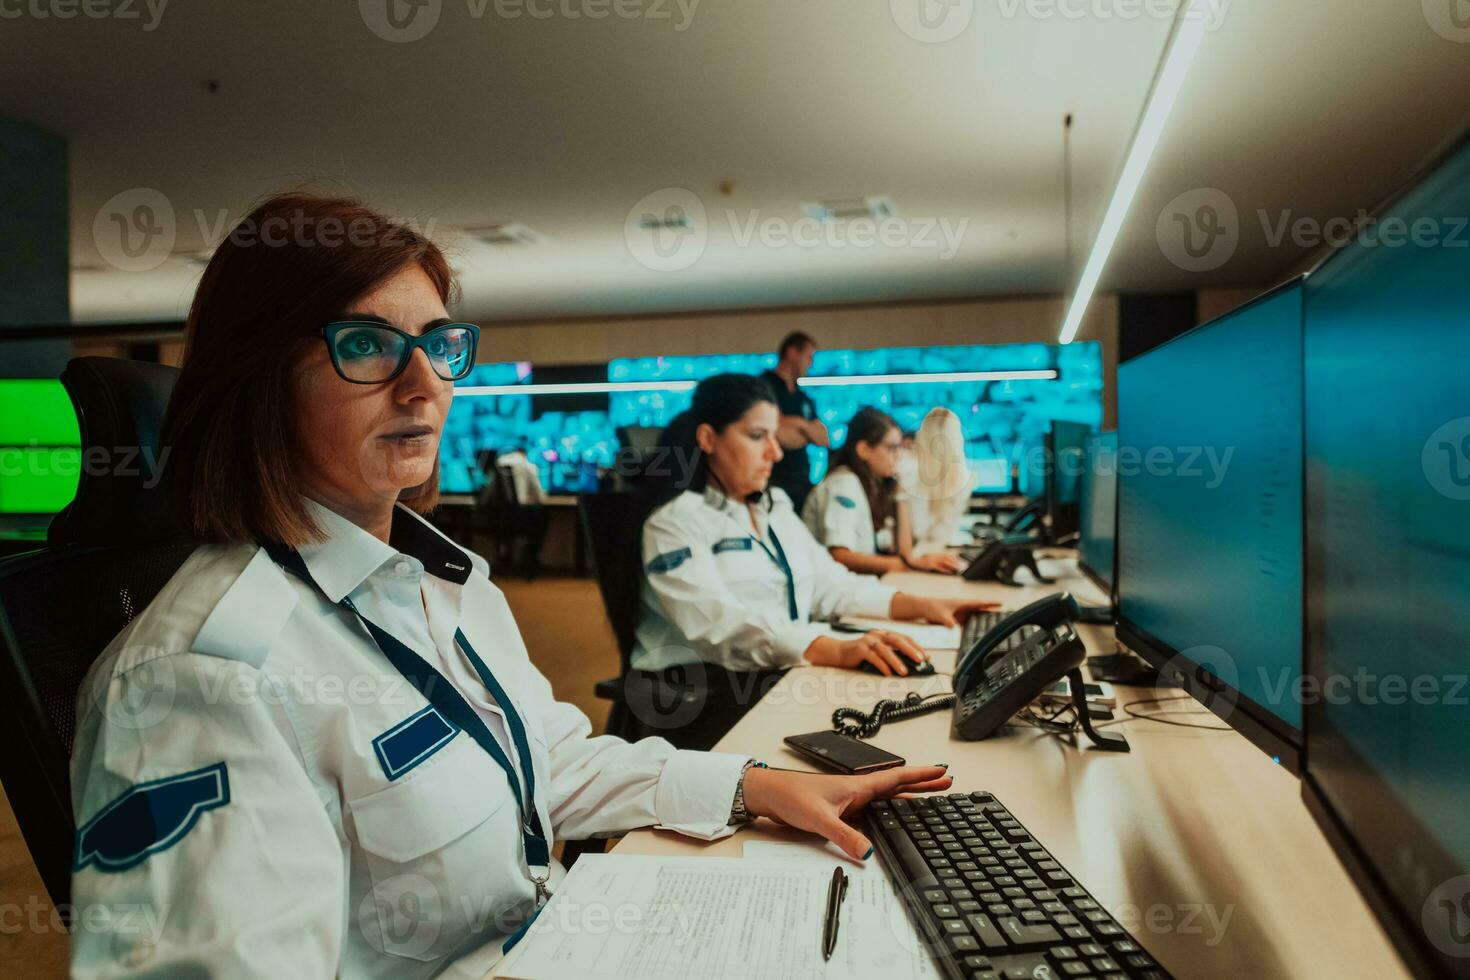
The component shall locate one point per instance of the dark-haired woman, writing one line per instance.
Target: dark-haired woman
(857, 511)
(734, 579)
(322, 750)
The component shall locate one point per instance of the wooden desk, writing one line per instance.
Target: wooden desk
(1195, 841)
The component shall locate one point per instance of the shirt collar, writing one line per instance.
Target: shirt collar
(350, 554)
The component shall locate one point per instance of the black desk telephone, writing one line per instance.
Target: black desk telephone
(1000, 674)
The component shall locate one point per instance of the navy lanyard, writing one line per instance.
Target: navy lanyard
(457, 711)
(779, 557)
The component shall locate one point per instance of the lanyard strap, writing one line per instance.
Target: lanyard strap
(779, 557)
(442, 694)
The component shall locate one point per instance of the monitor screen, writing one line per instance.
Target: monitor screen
(1097, 544)
(1388, 566)
(1210, 490)
(40, 446)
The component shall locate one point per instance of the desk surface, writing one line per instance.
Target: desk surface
(1195, 841)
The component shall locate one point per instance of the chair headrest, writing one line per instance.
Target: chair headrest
(119, 406)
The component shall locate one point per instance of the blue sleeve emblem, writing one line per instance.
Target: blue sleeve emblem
(669, 560)
(149, 818)
(847, 502)
(412, 740)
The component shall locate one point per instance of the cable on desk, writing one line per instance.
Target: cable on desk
(1127, 710)
(887, 710)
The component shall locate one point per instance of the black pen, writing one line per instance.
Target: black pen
(836, 892)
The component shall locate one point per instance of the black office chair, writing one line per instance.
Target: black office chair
(500, 514)
(106, 556)
(610, 522)
(692, 707)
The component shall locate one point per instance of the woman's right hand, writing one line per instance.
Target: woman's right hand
(942, 562)
(888, 651)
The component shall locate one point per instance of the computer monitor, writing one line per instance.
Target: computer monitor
(1098, 510)
(1064, 450)
(1388, 567)
(40, 447)
(1209, 515)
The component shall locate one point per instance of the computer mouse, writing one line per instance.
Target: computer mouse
(923, 669)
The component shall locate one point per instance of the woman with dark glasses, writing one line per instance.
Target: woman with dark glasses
(322, 749)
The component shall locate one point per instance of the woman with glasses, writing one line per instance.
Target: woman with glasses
(858, 511)
(322, 749)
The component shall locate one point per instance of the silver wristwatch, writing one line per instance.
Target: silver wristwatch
(738, 813)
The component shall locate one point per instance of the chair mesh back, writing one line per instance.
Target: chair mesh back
(59, 609)
(66, 606)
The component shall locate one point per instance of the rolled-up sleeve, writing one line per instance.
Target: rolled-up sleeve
(837, 591)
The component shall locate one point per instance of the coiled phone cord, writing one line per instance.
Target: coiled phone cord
(886, 710)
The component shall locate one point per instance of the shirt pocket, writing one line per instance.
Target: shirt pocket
(438, 854)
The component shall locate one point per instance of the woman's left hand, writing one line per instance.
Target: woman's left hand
(941, 612)
(817, 803)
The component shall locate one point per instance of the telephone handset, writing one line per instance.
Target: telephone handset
(1002, 672)
(1011, 665)
(1022, 519)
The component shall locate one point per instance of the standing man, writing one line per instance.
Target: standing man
(799, 426)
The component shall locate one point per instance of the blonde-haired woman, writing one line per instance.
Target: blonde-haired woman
(938, 483)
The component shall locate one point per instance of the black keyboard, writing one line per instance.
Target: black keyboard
(976, 627)
(990, 902)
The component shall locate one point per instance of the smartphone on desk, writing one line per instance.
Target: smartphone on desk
(841, 753)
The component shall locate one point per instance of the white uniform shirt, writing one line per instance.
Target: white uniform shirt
(714, 589)
(304, 811)
(839, 516)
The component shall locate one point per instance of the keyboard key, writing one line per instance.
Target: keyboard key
(1104, 964)
(1024, 936)
(945, 911)
(1074, 968)
(963, 944)
(1091, 949)
(1063, 953)
(990, 937)
(955, 927)
(969, 905)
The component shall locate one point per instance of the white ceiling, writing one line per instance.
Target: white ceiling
(567, 124)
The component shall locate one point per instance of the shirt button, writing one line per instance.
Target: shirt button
(403, 568)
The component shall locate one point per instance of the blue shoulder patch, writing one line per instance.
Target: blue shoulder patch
(847, 502)
(413, 740)
(149, 818)
(669, 560)
(732, 544)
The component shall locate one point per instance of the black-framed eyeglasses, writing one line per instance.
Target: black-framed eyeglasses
(367, 353)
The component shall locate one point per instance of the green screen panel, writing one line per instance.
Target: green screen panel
(36, 412)
(38, 480)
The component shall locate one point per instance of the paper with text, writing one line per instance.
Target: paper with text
(640, 917)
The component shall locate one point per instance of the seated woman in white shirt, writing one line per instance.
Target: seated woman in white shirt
(857, 511)
(322, 749)
(937, 484)
(733, 579)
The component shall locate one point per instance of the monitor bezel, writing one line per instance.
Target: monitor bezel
(1331, 766)
(1261, 727)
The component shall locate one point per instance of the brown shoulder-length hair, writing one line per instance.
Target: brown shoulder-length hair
(871, 426)
(290, 266)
